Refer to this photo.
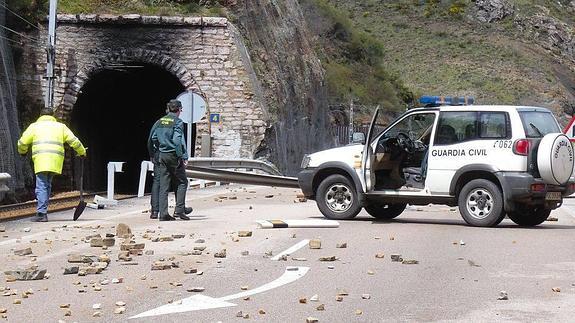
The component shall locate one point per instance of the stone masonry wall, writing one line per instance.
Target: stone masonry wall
(201, 52)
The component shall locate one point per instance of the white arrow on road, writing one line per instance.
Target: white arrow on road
(201, 302)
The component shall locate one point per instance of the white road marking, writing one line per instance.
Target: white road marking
(268, 224)
(291, 249)
(201, 302)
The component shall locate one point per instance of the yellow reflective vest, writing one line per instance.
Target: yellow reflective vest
(47, 137)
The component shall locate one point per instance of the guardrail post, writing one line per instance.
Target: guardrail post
(113, 167)
(147, 166)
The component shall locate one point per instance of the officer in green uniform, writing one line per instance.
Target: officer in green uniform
(167, 137)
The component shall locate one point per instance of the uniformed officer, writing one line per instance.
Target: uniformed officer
(154, 157)
(47, 137)
(166, 145)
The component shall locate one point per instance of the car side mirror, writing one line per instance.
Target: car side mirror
(358, 138)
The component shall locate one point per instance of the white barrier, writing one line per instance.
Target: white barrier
(4, 178)
(113, 167)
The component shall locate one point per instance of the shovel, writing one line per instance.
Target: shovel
(81, 205)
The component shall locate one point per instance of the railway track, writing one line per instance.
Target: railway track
(20, 210)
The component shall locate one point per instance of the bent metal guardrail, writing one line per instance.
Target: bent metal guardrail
(220, 175)
(223, 163)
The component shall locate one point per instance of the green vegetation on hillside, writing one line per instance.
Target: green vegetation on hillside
(353, 61)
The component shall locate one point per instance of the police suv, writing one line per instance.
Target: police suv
(491, 161)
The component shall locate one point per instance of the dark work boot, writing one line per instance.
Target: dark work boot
(41, 217)
(184, 217)
(166, 217)
(188, 210)
(154, 215)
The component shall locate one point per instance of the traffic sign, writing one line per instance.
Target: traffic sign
(570, 130)
(192, 102)
(215, 118)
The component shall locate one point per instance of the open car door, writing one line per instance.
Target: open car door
(377, 125)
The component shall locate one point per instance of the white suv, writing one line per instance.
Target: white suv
(491, 161)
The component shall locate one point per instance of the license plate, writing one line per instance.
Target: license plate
(553, 196)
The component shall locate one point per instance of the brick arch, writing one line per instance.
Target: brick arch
(84, 74)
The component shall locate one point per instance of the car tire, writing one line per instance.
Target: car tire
(337, 198)
(481, 203)
(529, 218)
(383, 211)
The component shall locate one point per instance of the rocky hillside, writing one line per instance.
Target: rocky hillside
(499, 51)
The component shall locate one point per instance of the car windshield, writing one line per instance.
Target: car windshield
(538, 123)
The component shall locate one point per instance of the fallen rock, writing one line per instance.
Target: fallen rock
(341, 245)
(365, 296)
(410, 262)
(320, 307)
(166, 239)
(314, 298)
(220, 254)
(200, 241)
(245, 253)
(196, 252)
(200, 248)
(261, 311)
(104, 258)
(23, 252)
(358, 312)
(472, 263)
(67, 305)
(96, 242)
(196, 289)
(27, 229)
(76, 258)
(124, 256)
(108, 242)
(370, 272)
(269, 196)
(25, 274)
(244, 234)
(97, 314)
(396, 257)
(311, 319)
(503, 296)
(123, 231)
(89, 270)
(149, 252)
(178, 236)
(315, 244)
(330, 258)
(379, 255)
(299, 259)
(17, 301)
(552, 219)
(2, 228)
(120, 310)
(303, 300)
(161, 265)
(71, 270)
(120, 303)
(556, 289)
(3, 310)
(131, 246)
(191, 271)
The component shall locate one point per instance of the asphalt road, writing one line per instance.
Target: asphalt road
(460, 272)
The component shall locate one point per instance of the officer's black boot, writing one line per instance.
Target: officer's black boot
(41, 217)
(166, 217)
(154, 215)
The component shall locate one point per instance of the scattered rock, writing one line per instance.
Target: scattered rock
(261, 311)
(365, 296)
(166, 239)
(315, 244)
(178, 236)
(461, 243)
(96, 242)
(90, 270)
(341, 245)
(131, 246)
(314, 298)
(303, 300)
(552, 219)
(380, 255)
(320, 307)
(358, 312)
(243, 234)
(245, 253)
(108, 242)
(556, 289)
(120, 310)
(17, 301)
(330, 258)
(191, 271)
(311, 319)
(124, 256)
(269, 196)
(120, 303)
(299, 259)
(67, 313)
(472, 263)
(221, 254)
(370, 272)
(76, 258)
(26, 229)
(71, 270)
(503, 296)
(25, 274)
(200, 241)
(396, 257)
(97, 314)
(196, 289)
(200, 248)
(410, 262)
(117, 280)
(161, 265)
(104, 258)
(123, 231)
(330, 267)
(3, 310)
(149, 252)
(3, 229)
(65, 305)
(23, 252)
(196, 252)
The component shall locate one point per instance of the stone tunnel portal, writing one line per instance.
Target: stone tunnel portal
(113, 115)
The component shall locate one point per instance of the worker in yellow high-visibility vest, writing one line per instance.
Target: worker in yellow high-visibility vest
(47, 137)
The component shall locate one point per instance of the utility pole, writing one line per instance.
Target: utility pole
(51, 56)
(350, 120)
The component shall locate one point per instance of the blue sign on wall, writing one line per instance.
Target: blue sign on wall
(215, 118)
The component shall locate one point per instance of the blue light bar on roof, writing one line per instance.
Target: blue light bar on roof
(434, 100)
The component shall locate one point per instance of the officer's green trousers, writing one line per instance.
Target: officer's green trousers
(171, 169)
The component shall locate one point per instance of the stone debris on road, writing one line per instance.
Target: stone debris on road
(380, 255)
(320, 307)
(245, 287)
(244, 234)
(370, 272)
(396, 257)
(161, 265)
(299, 259)
(245, 253)
(190, 271)
(358, 312)
(220, 254)
(67, 305)
(97, 314)
(23, 252)
(311, 319)
(315, 244)
(341, 245)
(552, 219)
(472, 263)
(196, 289)
(503, 296)
(119, 310)
(410, 262)
(123, 231)
(329, 258)
(314, 298)
(2, 228)
(31, 273)
(556, 289)
(303, 300)
(461, 243)
(365, 296)
(120, 303)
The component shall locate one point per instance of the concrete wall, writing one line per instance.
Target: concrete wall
(202, 52)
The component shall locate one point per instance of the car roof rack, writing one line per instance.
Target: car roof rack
(429, 101)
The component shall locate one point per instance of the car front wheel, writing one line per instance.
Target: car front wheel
(337, 198)
(481, 203)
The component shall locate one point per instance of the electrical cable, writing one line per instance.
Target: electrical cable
(17, 15)
(19, 34)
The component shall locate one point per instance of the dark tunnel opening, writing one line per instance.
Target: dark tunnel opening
(112, 117)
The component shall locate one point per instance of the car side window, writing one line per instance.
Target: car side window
(494, 125)
(417, 126)
(455, 127)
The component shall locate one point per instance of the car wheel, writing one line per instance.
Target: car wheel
(337, 198)
(481, 203)
(529, 218)
(384, 211)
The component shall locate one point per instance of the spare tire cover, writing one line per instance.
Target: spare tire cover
(555, 158)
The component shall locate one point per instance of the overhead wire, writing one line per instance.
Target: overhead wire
(17, 15)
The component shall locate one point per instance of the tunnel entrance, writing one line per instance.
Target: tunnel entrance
(112, 117)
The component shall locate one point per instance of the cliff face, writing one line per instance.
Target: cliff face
(291, 80)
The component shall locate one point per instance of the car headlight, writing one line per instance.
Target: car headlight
(305, 161)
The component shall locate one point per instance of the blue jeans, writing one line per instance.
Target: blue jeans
(43, 189)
